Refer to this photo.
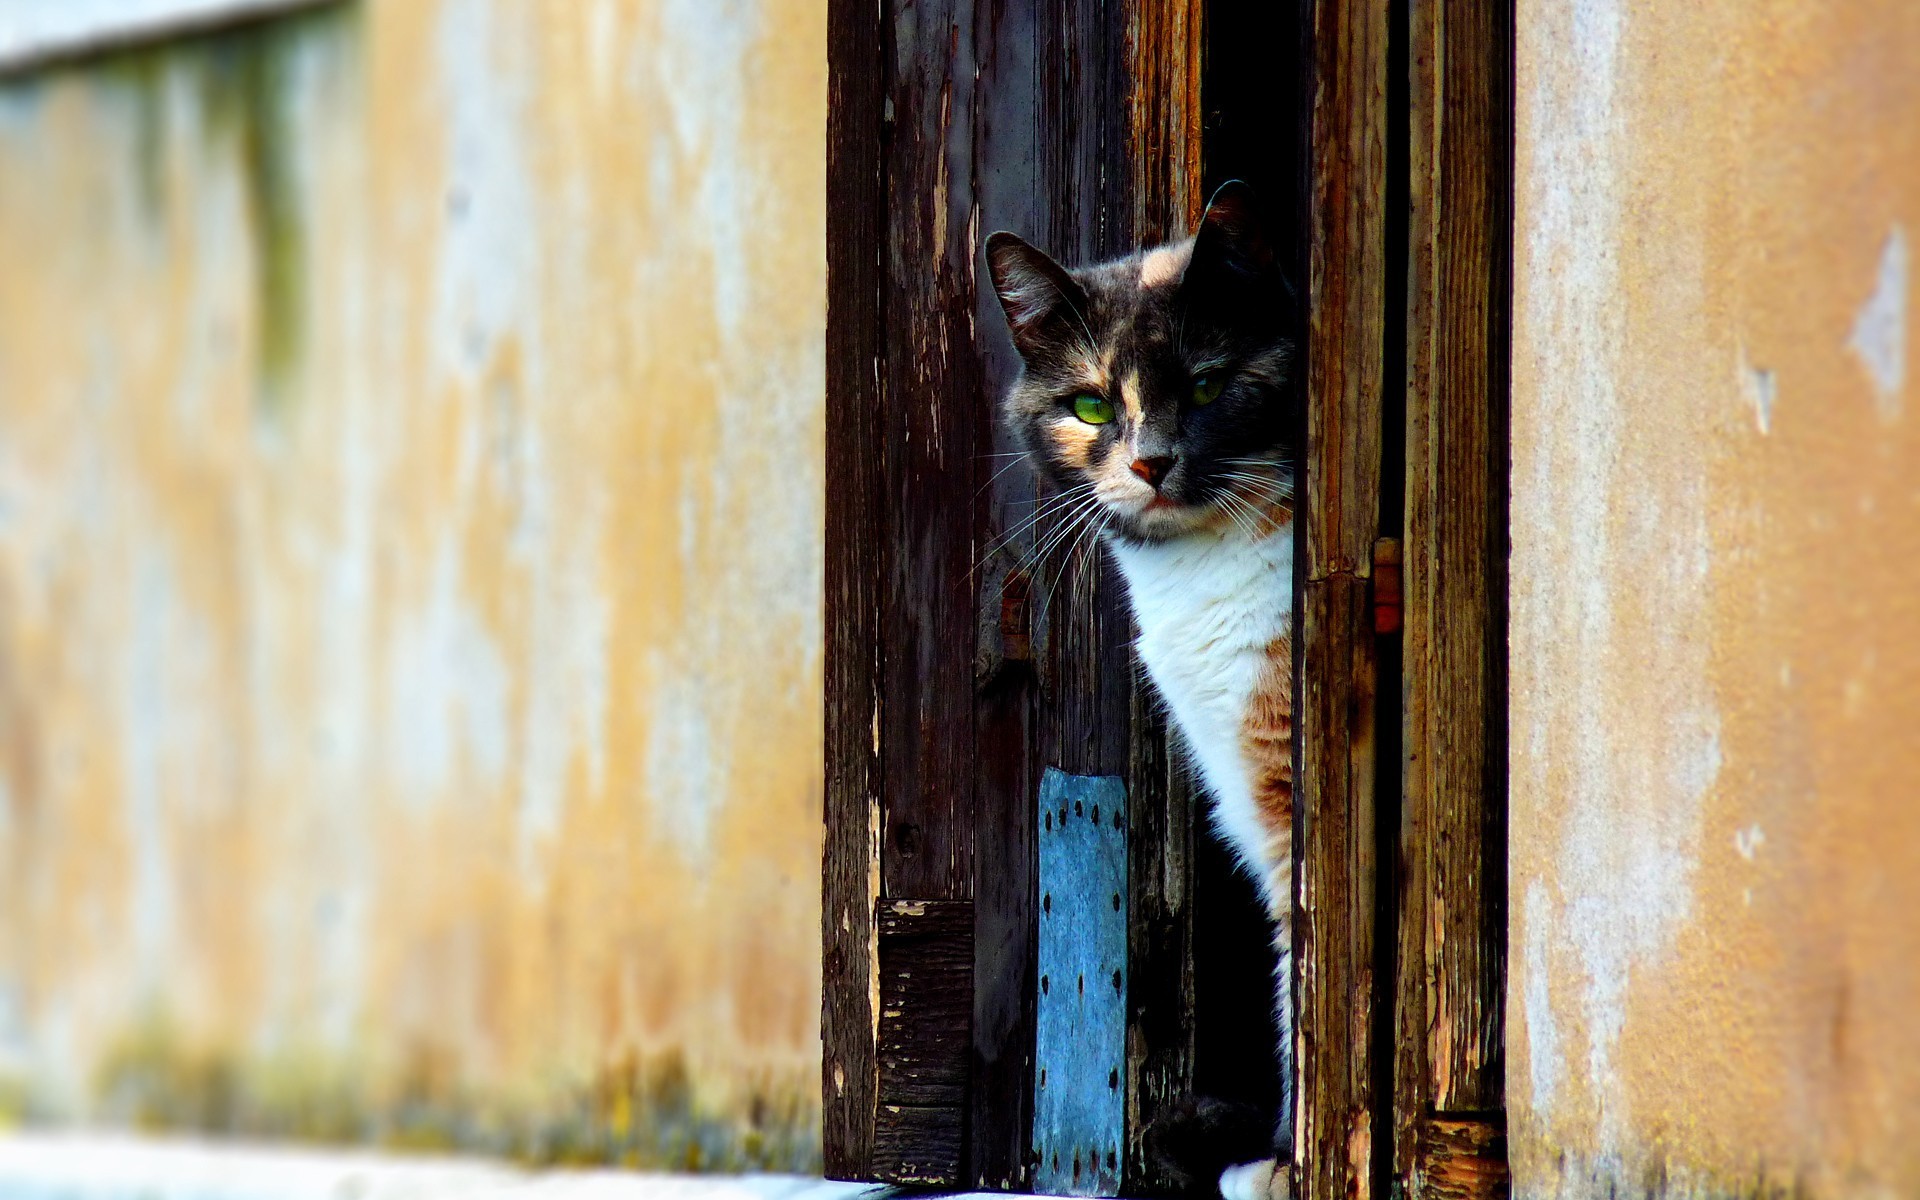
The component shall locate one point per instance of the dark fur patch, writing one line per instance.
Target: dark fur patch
(1198, 1137)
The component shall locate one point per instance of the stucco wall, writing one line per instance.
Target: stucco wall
(410, 518)
(1716, 588)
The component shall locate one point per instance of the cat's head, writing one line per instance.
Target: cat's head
(1156, 383)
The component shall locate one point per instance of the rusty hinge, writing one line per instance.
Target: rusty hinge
(1387, 615)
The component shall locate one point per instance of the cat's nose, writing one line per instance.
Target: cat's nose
(1154, 469)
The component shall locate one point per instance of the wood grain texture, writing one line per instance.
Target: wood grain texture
(1450, 998)
(1162, 815)
(926, 1001)
(1462, 1159)
(931, 437)
(1163, 160)
(917, 1146)
(1164, 40)
(854, 527)
(1340, 521)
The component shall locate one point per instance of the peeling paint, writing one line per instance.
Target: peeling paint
(1880, 331)
(1761, 388)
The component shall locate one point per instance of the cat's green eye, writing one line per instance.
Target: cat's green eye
(1206, 388)
(1092, 409)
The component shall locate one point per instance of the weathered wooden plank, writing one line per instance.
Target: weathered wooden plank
(1079, 1110)
(1334, 925)
(1340, 521)
(926, 1004)
(1452, 926)
(1001, 1106)
(918, 1146)
(854, 532)
(1165, 142)
(1164, 40)
(1462, 1159)
(1052, 664)
(976, 117)
(931, 437)
(1162, 824)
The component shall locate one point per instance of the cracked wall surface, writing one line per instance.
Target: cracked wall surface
(410, 572)
(1715, 669)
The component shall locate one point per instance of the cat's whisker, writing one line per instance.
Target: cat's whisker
(1269, 488)
(1269, 499)
(1239, 522)
(1264, 521)
(1066, 528)
(1092, 569)
(1235, 508)
(1036, 555)
(1050, 505)
(1089, 567)
(1047, 505)
(995, 477)
(1086, 526)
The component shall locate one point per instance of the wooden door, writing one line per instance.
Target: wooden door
(956, 675)
(976, 668)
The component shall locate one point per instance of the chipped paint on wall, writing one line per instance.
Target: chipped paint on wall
(410, 517)
(1715, 850)
(1880, 329)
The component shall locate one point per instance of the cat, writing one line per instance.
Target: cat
(1154, 394)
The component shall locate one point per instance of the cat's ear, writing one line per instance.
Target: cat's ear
(1033, 288)
(1231, 242)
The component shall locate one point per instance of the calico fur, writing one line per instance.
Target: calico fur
(1190, 482)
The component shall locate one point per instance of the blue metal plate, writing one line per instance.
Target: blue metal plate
(1079, 1076)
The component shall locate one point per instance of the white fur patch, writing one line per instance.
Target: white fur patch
(1255, 1181)
(1208, 606)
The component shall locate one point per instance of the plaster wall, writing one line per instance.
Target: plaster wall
(410, 543)
(1715, 669)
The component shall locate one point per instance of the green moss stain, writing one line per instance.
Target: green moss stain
(259, 86)
(644, 1112)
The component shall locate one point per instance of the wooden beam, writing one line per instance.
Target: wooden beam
(1163, 157)
(1164, 38)
(856, 206)
(1449, 1006)
(1338, 667)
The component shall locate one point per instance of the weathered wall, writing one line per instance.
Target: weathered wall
(410, 508)
(1716, 587)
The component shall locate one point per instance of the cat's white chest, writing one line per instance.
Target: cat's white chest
(1209, 609)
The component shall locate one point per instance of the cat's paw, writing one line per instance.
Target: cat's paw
(1267, 1179)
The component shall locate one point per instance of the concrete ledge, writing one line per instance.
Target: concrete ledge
(115, 1166)
(41, 30)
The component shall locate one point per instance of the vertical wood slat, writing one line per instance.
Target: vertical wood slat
(854, 527)
(1163, 156)
(1164, 39)
(1452, 922)
(931, 439)
(1339, 523)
